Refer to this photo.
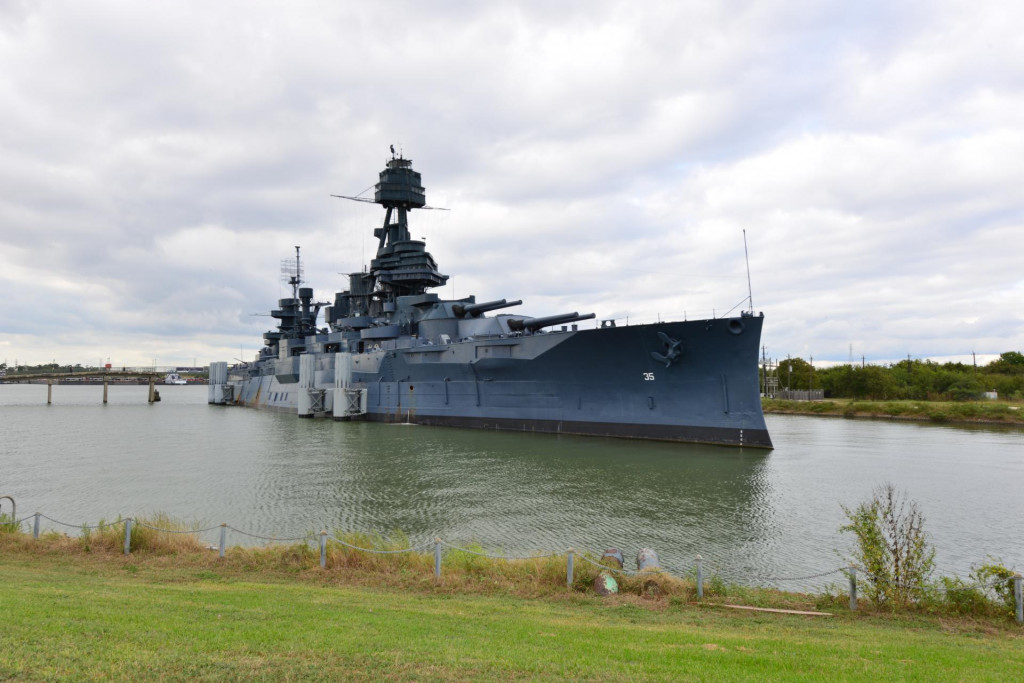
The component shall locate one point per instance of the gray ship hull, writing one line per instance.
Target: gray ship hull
(603, 382)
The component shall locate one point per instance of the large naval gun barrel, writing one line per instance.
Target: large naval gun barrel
(463, 310)
(518, 324)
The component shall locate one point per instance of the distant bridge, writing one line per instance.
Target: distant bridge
(87, 376)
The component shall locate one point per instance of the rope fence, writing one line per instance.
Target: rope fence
(645, 567)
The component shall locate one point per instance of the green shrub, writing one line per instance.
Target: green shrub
(963, 598)
(998, 582)
(891, 546)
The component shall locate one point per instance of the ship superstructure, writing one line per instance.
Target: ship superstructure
(393, 351)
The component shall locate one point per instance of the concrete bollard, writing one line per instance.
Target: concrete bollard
(35, 528)
(569, 560)
(323, 549)
(223, 537)
(437, 557)
(613, 555)
(128, 536)
(646, 559)
(700, 577)
(1018, 594)
(605, 584)
(853, 588)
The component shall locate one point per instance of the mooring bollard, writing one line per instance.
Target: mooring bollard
(35, 528)
(570, 557)
(700, 577)
(437, 557)
(323, 549)
(128, 536)
(853, 587)
(223, 537)
(1018, 593)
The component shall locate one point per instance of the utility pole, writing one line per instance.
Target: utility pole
(764, 367)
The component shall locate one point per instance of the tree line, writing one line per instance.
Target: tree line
(919, 380)
(47, 367)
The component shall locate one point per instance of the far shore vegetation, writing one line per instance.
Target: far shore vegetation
(910, 390)
(956, 412)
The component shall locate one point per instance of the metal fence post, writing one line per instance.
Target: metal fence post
(223, 537)
(128, 536)
(437, 557)
(1017, 594)
(323, 549)
(570, 557)
(853, 587)
(35, 527)
(700, 577)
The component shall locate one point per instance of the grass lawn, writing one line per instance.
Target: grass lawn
(100, 616)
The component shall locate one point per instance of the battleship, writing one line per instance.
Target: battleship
(390, 350)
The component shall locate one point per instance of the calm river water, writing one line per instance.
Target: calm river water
(750, 514)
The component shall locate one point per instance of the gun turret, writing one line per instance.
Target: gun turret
(532, 324)
(474, 310)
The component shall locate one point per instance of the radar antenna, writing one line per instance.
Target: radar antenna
(291, 273)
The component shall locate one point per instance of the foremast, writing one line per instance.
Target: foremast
(402, 266)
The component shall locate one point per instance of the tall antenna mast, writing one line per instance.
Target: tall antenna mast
(746, 256)
(291, 273)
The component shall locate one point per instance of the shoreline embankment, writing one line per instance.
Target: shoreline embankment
(980, 413)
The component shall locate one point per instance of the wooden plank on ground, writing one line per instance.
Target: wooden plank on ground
(780, 611)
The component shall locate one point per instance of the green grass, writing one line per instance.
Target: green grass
(69, 614)
(984, 412)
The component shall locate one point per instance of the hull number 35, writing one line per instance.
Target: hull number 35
(648, 376)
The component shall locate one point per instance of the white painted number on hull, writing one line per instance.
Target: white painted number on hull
(648, 376)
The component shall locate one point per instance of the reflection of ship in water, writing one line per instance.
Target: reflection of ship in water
(517, 493)
(392, 351)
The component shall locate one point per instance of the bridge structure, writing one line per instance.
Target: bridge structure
(87, 376)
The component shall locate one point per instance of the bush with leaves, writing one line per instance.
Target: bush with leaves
(997, 582)
(892, 546)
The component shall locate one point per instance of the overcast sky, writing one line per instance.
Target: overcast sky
(159, 160)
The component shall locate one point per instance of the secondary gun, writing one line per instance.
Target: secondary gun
(532, 324)
(474, 310)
